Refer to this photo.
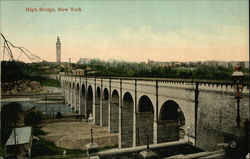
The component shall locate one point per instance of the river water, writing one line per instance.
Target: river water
(52, 106)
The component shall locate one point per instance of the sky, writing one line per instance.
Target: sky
(180, 30)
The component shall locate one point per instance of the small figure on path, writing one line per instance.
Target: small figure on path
(64, 153)
(91, 119)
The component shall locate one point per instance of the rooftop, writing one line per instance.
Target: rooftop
(22, 136)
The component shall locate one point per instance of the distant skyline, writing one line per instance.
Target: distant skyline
(181, 30)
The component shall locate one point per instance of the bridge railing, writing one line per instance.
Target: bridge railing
(179, 80)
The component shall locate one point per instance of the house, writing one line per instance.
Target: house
(78, 72)
(19, 143)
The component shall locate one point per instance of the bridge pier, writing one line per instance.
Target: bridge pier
(72, 98)
(97, 106)
(105, 106)
(104, 111)
(135, 127)
(114, 112)
(85, 101)
(77, 102)
(101, 96)
(120, 116)
(155, 134)
(145, 127)
(127, 125)
(82, 105)
(64, 89)
(67, 95)
(93, 105)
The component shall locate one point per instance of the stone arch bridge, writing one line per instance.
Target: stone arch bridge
(164, 109)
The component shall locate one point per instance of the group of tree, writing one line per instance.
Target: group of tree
(133, 69)
(33, 71)
(14, 71)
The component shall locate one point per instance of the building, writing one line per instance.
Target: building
(159, 63)
(78, 72)
(88, 60)
(58, 50)
(19, 143)
(83, 61)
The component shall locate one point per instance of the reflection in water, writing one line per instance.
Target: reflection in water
(53, 107)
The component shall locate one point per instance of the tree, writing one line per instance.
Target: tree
(11, 114)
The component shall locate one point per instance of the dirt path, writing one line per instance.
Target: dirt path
(76, 134)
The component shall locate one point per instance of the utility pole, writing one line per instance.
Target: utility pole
(91, 133)
(53, 114)
(14, 133)
(148, 149)
(196, 99)
(46, 103)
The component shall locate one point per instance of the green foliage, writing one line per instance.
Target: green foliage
(10, 116)
(38, 131)
(15, 70)
(45, 148)
(184, 71)
(2, 152)
(50, 82)
(78, 66)
(5, 134)
(209, 72)
(12, 71)
(33, 118)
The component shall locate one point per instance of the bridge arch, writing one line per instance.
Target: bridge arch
(171, 121)
(127, 120)
(66, 92)
(114, 111)
(145, 120)
(105, 102)
(89, 100)
(97, 105)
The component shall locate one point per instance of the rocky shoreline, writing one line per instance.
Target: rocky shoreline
(21, 87)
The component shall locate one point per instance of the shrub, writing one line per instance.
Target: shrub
(33, 118)
(58, 115)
